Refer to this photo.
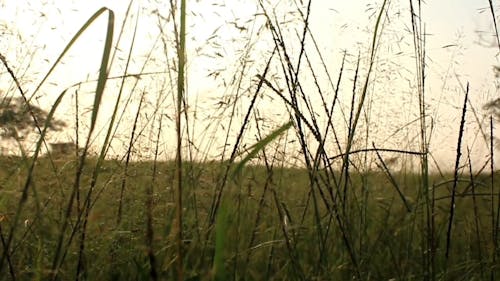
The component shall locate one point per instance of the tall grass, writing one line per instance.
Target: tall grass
(181, 59)
(310, 197)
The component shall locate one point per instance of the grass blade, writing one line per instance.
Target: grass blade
(254, 149)
(70, 44)
(455, 176)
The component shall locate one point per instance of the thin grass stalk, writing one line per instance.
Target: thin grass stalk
(190, 144)
(364, 150)
(354, 123)
(313, 169)
(335, 211)
(221, 227)
(432, 223)
(270, 257)
(223, 180)
(492, 10)
(120, 34)
(127, 161)
(291, 78)
(29, 228)
(292, 251)
(236, 227)
(392, 180)
(463, 195)
(364, 203)
(283, 214)
(419, 49)
(364, 91)
(29, 180)
(77, 144)
(101, 83)
(296, 86)
(59, 257)
(476, 217)
(329, 111)
(24, 155)
(110, 134)
(134, 126)
(11, 73)
(322, 262)
(345, 162)
(492, 198)
(330, 175)
(7, 254)
(314, 180)
(6, 248)
(153, 272)
(217, 198)
(143, 128)
(181, 57)
(260, 146)
(60, 251)
(218, 191)
(269, 164)
(497, 224)
(260, 207)
(190, 173)
(296, 110)
(477, 115)
(325, 68)
(455, 178)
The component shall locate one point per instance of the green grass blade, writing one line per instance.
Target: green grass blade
(70, 44)
(29, 179)
(254, 149)
(221, 227)
(101, 83)
(103, 72)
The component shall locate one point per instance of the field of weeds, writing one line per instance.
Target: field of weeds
(299, 166)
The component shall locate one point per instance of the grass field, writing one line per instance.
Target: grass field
(311, 193)
(271, 228)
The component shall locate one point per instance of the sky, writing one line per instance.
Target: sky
(459, 49)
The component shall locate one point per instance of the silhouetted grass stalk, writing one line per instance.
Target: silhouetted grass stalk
(477, 226)
(455, 176)
(127, 161)
(494, 226)
(428, 248)
(181, 59)
(57, 261)
(153, 272)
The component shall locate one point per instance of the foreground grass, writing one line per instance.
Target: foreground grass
(270, 232)
(84, 218)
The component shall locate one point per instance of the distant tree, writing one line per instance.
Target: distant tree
(494, 105)
(16, 119)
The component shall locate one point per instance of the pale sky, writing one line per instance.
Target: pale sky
(458, 32)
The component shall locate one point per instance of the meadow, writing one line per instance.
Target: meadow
(273, 225)
(311, 195)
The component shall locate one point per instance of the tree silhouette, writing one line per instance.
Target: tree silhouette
(17, 119)
(493, 106)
